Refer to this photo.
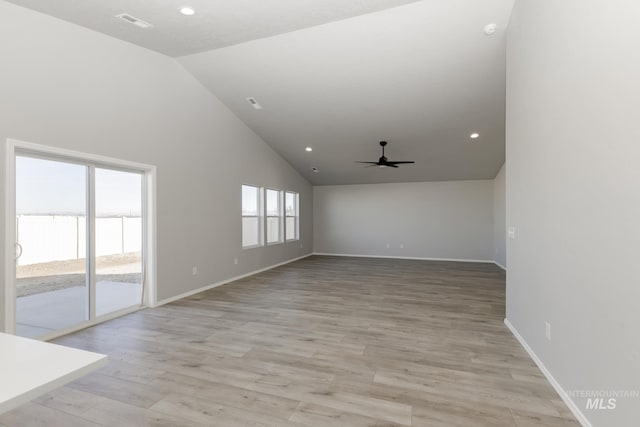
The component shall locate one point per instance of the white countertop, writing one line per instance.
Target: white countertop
(30, 368)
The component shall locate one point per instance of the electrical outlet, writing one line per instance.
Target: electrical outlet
(195, 271)
(547, 330)
(401, 245)
(388, 245)
(300, 245)
(235, 261)
(511, 232)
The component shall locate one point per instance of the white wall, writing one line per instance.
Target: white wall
(63, 85)
(573, 193)
(450, 220)
(499, 220)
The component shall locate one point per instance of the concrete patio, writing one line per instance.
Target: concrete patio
(40, 314)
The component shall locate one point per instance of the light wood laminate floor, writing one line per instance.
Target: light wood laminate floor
(324, 341)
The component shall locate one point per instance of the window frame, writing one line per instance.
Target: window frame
(258, 216)
(280, 217)
(296, 216)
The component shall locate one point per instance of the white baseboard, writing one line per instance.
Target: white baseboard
(225, 281)
(582, 419)
(500, 265)
(490, 261)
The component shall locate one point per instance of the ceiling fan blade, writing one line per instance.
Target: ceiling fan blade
(383, 162)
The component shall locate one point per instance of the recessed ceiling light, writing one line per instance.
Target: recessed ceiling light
(187, 11)
(474, 135)
(309, 149)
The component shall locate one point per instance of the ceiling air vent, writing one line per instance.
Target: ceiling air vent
(254, 103)
(133, 20)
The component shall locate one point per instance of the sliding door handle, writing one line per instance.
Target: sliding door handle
(18, 251)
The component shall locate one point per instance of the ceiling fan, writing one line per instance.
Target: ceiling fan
(383, 162)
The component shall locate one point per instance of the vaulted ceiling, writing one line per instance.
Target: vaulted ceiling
(338, 76)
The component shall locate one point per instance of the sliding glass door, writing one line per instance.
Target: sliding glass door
(52, 286)
(118, 234)
(79, 234)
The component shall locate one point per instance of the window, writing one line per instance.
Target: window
(269, 216)
(251, 213)
(274, 216)
(291, 216)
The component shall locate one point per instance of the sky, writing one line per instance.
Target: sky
(250, 201)
(50, 187)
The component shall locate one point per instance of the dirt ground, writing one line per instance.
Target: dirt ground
(50, 276)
